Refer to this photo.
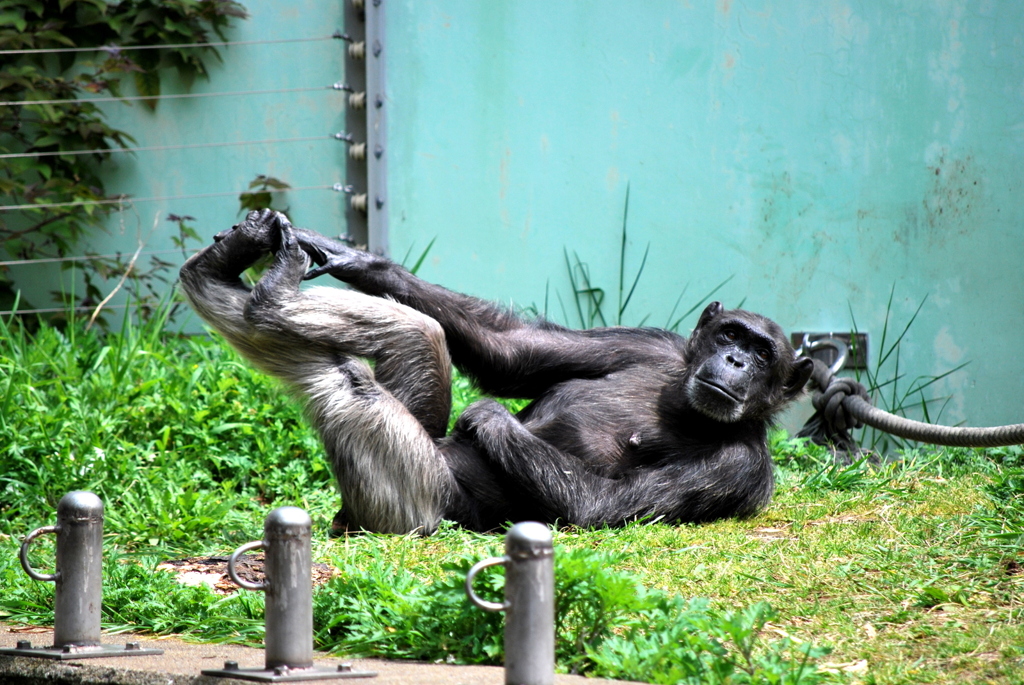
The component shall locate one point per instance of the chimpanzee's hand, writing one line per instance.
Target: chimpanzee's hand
(484, 415)
(332, 257)
(260, 229)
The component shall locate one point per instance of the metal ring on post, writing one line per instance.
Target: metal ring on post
(78, 595)
(247, 547)
(477, 567)
(32, 573)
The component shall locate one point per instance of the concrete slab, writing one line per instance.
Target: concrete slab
(182, 662)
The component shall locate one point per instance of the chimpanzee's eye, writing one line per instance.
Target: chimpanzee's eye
(763, 354)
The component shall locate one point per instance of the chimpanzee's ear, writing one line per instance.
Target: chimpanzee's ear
(798, 377)
(710, 312)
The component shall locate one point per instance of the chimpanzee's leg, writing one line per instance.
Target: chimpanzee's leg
(377, 423)
(542, 483)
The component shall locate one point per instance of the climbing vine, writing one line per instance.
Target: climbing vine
(42, 112)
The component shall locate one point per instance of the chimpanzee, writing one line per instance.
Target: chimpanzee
(623, 423)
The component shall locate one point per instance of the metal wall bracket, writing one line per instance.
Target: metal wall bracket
(365, 117)
(856, 345)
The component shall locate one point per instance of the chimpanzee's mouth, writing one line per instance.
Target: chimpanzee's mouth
(721, 390)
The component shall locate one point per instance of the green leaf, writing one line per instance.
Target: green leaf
(147, 16)
(56, 37)
(14, 19)
(263, 181)
(251, 201)
(148, 83)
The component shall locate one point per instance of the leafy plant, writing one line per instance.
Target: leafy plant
(136, 596)
(675, 641)
(122, 413)
(264, 191)
(607, 625)
(885, 383)
(1001, 523)
(54, 138)
(588, 299)
(385, 611)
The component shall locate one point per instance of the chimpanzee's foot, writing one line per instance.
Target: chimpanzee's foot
(259, 229)
(233, 251)
(280, 283)
(340, 526)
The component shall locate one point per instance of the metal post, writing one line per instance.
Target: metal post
(79, 583)
(287, 533)
(79, 577)
(529, 604)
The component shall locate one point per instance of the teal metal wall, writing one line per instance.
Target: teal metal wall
(821, 154)
(220, 173)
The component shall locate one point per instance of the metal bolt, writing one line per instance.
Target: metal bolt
(377, 48)
(230, 665)
(358, 202)
(357, 100)
(24, 644)
(344, 668)
(132, 645)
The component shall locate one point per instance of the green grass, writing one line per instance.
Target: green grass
(909, 572)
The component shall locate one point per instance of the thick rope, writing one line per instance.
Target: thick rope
(957, 436)
(842, 404)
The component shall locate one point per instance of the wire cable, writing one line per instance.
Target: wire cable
(151, 148)
(85, 258)
(114, 49)
(54, 310)
(128, 200)
(172, 96)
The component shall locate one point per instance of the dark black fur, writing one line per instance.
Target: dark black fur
(624, 423)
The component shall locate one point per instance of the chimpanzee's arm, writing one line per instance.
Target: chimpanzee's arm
(503, 353)
(732, 479)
